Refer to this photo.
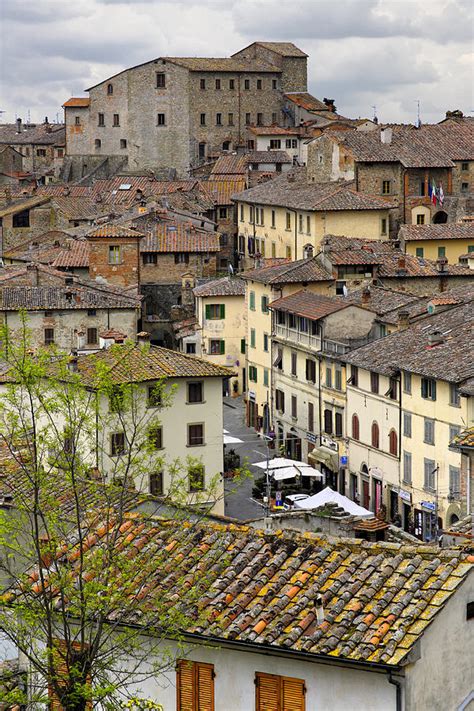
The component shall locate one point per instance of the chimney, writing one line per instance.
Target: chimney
(365, 296)
(81, 340)
(318, 603)
(330, 104)
(32, 272)
(435, 338)
(73, 365)
(386, 135)
(403, 319)
(441, 263)
(18, 125)
(143, 338)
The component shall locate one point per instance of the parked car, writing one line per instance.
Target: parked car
(289, 501)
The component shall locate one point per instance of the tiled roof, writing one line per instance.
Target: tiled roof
(411, 349)
(139, 364)
(64, 297)
(237, 584)
(38, 134)
(79, 208)
(75, 254)
(223, 64)
(227, 286)
(292, 190)
(64, 190)
(23, 204)
(44, 248)
(274, 130)
(77, 102)
(464, 439)
(382, 301)
(267, 157)
(306, 101)
(286, 49)
(221, 191)
(231, 164)
(410, 233)
(179, 237)
(110, 230)
(309, 305)
(286, 272)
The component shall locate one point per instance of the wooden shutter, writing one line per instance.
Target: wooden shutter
(185, 685)
(222, 310)
(208, 311)
(293, 694)
(222, 347)
(204, 687)
(268, 692)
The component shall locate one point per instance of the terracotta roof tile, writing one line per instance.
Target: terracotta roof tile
(223, 64)
(38, 134)
(464, 439)
(286, 272)
(450, 231)
(306, 101)
(77, 102)
(221, 191)
(309, 305)
(110, 230)
(286, 49)
(179, 237)
(75, 254)
(227, 286)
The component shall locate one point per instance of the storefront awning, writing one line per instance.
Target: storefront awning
(323, 455)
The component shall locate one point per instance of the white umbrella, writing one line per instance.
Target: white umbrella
(283, 468)
(228, 439)
(326, 496)
(225, 431)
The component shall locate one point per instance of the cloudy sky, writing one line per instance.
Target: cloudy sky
(387, 53)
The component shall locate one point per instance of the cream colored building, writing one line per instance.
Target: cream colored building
(222, 327)
(287, 217)
(446, 241)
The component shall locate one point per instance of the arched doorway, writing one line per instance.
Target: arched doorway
(440, 217)
(454, 518)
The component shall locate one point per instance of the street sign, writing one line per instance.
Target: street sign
(311, 437)
(428, 505)
(405, 495)
(343, 460)
(278, 498)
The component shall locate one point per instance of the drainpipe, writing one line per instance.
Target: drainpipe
(398, 691)
(290, 209)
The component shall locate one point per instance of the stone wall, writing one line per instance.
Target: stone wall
(167, 271)
(126, 273)
(40, 222)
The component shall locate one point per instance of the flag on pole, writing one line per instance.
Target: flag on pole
(441, 194)
(433, 193)
(430, 191)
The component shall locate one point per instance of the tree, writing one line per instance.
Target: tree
(69, 615)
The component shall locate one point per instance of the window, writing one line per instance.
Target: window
(123, 143)
(41, 152)
(274, 251)
(454, 481)
(97, 143)
(464, 166)
(195, 435)
(246, 84)
(218, 119)
(115, 254)
(21, 219)
(242, 345)
(117, 444)
(338, 424)
(454, 395)
(77, 121)
(90, 312)
(264, 304)
(155, 437)
(265, 377)
(308, 224)
(300, 223)
(181, 258)
(429, 474)
(454, 430)
(385, 187)
(155, 485)
(294, 364)
(328, 421)
(407, 383)
(48, 336)
(274, 117)
(191, 348)
(279, 359)
(242, 213)
(252, 338)
(116, 120)
(310, 370)
(428, 389)
(288, 220)
(231, 84)
(161, 119)
(253, 373)
(429, 431)
(275, 144)
(273, 218)
(202, 146)
(422, 188)
(383, 226)
(280, 400)
(329, 377)
(407, 467)
(470, 248)
(60, 152)
(230, 119)
(407, 424)
(154, 395)
(91, 336)
(216, 347)
(274, 83)
(419, 252)
(464, 187)
(247, 119)
(354, 379)
(355, 427)
(259, 119)
(393, 387)
(374, 382)
(218, 84)
(203, 119)
(194, 686)
(441, 252)
(294, 407)
(259, 84)
(420, 220)
(338, 378)
(195, 392)
(160, 80)
(100, 120)
(393, 443)
(288, 252)
(150, 258)
(252, 301)
(265, 342)
(375, 435)
(310, 417)
(202, 84)
(215, 311)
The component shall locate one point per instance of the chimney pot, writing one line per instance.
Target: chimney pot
(386, 135)
(365, 298)
(18, 125)
(143, 338)
(403, 318)
(435, 338)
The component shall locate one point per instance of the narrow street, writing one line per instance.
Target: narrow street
(238, 497)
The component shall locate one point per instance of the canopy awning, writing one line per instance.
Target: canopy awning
(323, 455)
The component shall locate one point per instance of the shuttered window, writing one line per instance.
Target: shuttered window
(194, 686)
(279, 693)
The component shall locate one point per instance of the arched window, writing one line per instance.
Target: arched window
(375, 435)
(308, 251)
(355, 427)
(110, 89)
(440, 217)
(393, 442)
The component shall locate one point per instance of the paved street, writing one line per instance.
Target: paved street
(238, 497)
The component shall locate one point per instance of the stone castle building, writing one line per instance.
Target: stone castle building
(173, 112)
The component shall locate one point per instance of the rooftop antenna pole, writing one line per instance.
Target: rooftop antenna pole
(418, 119)
(375, 119)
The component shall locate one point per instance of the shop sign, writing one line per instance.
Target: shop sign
(405, 495)
(252, 395)
(329, 443)
(311, 437)
(428, 505)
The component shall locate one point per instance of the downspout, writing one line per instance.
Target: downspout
(319, 390)
(398, 691)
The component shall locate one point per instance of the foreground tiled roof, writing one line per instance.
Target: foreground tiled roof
(179, 237)
(302, 270)
(464, 439)
(231, 164)
(309, 305)
(237, 584)
(292, 190)
(221, 191)
(38, 134)
(110, 230)
(139, 364)
(411, 350)
(306, 101)
(227, 286)
(382, 300)
(410, 233)
(74, 254)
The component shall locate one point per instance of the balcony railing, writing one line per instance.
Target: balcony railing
(292, 334)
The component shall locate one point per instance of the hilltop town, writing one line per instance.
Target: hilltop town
(237, 386)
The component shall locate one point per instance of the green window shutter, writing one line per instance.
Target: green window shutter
(263, 304)
(208, 311)
(222, 347)
(255, 374)
(222, 306)
(252, 300)
(242, 345)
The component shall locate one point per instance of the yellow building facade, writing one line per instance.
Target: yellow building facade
(446, 241)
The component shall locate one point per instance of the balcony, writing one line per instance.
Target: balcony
(298, 337)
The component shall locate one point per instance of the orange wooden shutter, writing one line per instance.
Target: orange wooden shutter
(268, 692)
(185, 685)
(293, 694)
(204, 687)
